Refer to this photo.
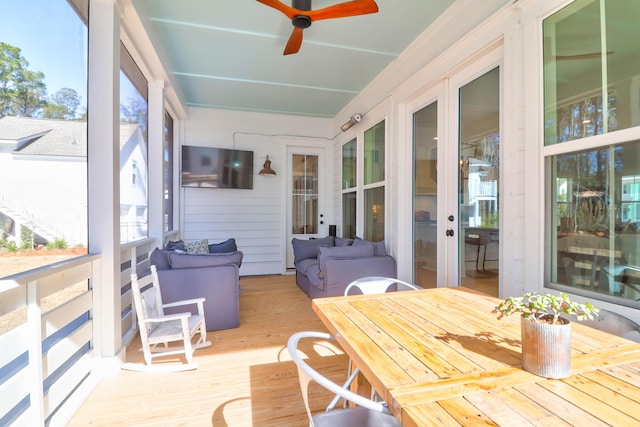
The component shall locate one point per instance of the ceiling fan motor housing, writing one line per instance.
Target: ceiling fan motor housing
(301, 21)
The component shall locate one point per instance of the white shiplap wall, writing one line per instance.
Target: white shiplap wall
(255, 218)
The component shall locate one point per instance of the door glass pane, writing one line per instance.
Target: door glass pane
(374, 218)
(349, 215)
(425, 200)
(305, 194)
(592, 75)
(349, 164)
(596, 214)
(479, 176)
(374, 154)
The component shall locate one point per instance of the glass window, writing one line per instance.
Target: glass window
(349, 215)
(425, 197)
(133, 150)
(374, 208)
(305, 194)
(596, 214)
(167, 171)
(43, 133)
(592, 88)
(592, 75)
(349, 164)
(374, 154)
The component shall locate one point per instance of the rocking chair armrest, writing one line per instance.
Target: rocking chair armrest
(184, 302)
(176, 316)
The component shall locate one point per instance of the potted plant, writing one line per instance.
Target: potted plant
(546, 335)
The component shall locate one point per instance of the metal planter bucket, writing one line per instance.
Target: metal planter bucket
(546, 348)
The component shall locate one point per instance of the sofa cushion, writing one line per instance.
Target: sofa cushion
(173, 245)
(304, 249)
(228, 245)
(354, 251)
(341, 241)
(379, 247)
(314, 277)
(197, 247)
(203, 260)
(304, 265)
(160, 258)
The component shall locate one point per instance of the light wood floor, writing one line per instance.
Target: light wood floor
(246, 378)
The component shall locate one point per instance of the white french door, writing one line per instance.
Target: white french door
(455, 131)
(305, 197)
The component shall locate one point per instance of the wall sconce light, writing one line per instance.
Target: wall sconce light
(266, 169)
(356, 118)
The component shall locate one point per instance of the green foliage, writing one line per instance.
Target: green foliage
(62, 105)
(545, 308)
(57, 244)
(23, 92)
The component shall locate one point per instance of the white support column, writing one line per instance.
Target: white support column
(155, 161)
(104, 172)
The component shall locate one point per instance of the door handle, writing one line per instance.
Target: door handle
(449, 232)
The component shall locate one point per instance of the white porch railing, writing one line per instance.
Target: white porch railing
(47, 336)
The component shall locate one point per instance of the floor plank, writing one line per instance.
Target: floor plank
(246, 378)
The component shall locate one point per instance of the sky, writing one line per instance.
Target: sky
(52, 39)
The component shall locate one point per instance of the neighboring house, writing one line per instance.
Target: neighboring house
(56, 207)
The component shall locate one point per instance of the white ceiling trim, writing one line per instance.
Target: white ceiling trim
(265, 82)
(173, 23)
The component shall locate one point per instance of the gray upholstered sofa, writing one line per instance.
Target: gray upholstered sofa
(214, 276)
(324, 267)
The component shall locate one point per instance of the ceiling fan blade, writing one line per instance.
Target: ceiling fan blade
(341, 10)
(295, 41)
(278, 5)
(592, 55)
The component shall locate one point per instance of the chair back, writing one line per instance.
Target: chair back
(379, 285)
(147, 299)
(306, 374)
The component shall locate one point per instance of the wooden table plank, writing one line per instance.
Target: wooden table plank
(441, 357)
(563, 409)
(591, 403)
(431, 414)
(465, 413)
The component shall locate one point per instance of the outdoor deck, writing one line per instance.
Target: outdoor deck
(246, 378)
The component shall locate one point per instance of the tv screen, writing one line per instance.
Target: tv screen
(209, 167)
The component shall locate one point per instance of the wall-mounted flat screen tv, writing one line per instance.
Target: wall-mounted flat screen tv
(209, 167)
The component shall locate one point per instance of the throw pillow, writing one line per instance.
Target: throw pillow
(172, 246)
(160, 259)
(228, 245)
(379, 248)
(343, 252)
(303, 249)
(197, 247)
(204, 260)
(341, 241)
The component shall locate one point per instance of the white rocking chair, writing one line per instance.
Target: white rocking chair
(158, 329)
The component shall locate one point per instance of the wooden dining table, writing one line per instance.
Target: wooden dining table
(440, 357)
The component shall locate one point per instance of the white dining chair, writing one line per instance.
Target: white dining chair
(366, 413)
(379, 285)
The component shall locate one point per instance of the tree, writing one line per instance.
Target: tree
(62, 105)
(21, 90)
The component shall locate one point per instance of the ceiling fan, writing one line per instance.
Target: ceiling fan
(302, 16)
(592, 55)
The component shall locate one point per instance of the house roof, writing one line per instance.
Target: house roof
(47, 137)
